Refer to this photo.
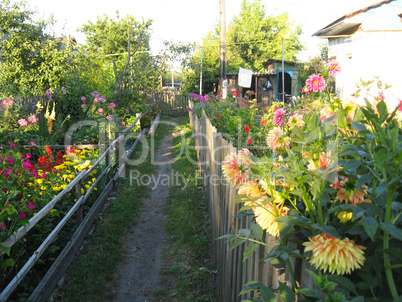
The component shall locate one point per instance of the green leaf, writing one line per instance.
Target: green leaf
(6, 263)
(244, 233)
(249, 250)
(298, 132)
(257, 231)
(352, 164)
(358, 126)
(237, 243)
(6, 249)
(383, 111)
(343, 282)
(363, 179)
(310, 293)
(267, 294)
(286, 294)
(370, 226)
(393, 230)
(342, 121)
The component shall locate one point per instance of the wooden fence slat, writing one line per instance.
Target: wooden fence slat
(233, 272)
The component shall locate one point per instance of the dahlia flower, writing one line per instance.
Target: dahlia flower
(295, 120)
(316, 83)
(250, 188)
(265, 216)
(334, 255)
(334, 68)
(279, 115)
(275, 139)
(236, 166)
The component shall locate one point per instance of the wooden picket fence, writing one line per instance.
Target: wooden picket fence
(170, 103)
(232, 272)
(113, 161)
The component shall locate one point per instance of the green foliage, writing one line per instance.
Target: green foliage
(31, 60)
(251, 38)
(122, 47)
(254, 38)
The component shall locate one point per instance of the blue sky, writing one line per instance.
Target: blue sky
(189, 20)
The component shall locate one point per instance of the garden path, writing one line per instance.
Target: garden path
(139, 273)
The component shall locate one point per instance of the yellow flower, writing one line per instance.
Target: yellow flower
(344, 216)
(266, 214)
(335, 255)
(250, 188)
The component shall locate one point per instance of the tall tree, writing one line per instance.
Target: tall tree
(252, 39)
(255, 37)
(124, 46)
(31, 61)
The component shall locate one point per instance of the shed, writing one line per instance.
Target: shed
(266, 87)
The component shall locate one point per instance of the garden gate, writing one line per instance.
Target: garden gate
(170, 103)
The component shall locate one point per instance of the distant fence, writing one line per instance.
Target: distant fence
(28, 105)
(232, 272)
(170, 103)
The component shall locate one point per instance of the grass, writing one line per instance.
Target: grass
(189, 273)
(189, 246)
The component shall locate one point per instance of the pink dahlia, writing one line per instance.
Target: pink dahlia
(334, 68)
(279, 116)
(32, 119)
(316, 83)
(22, 122)
(236, 167)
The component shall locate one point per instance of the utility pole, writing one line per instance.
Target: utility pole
(223, 83)
(202, 53)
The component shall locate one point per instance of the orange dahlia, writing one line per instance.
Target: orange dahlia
(266, 214)
(334, 255)
(236, 167)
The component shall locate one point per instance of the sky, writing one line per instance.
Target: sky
(189, 20)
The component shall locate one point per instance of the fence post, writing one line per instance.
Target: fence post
(78, 196)
(120, 152)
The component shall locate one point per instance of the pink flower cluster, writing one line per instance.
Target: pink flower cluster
(32, 119)
(6, 103)
(204, 99)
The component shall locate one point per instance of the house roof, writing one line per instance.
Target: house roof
(341, 26)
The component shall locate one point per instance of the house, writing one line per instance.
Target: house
(266, 87)
(366, 43)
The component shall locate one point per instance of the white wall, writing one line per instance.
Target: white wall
(366, 55)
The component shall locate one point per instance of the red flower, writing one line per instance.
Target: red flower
(247, 128)
(59, 158)
(263, 122)
(249, 141)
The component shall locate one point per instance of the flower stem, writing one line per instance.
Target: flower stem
(387, 262)
(292, 275)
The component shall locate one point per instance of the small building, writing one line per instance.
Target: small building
(266, 87)
(366, 43)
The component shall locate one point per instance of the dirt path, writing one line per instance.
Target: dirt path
(139, 275)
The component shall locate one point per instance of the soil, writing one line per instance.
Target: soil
(139, 273)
